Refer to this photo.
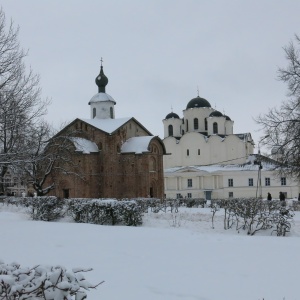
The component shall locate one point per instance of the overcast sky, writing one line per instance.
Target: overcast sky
(156, 53)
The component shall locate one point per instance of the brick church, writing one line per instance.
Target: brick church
(116, 158)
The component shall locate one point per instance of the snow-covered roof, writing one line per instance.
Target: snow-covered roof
(100, 97)
(251, 165)
(84, 145)
(107, 125)
(138, 144)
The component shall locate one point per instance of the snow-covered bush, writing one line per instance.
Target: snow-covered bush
(253, 214)
(42, 282)
(105, 211)
(46, 208)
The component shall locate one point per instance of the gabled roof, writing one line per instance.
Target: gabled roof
(111, 125)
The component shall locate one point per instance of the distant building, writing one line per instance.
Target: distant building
(117, 158)
(14, 184)
(207, 160)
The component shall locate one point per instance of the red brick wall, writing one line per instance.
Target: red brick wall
(110, 174)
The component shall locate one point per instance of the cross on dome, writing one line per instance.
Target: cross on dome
(101, 80)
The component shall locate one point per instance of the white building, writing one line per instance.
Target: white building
(207, 160)
(14, 184)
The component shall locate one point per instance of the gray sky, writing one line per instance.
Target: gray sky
(156, 53)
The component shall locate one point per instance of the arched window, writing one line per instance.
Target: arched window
(205, 124)
(215, 128)
(187, 125)
(152, 164)
(170, 130)
(111, 113)
(196, 125)
(94, 112)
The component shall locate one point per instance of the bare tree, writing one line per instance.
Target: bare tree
(21, 105)
(281, 126)
(46, 154)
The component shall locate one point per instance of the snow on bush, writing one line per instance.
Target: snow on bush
(105, 211)
(253, 215)
(45, 208)
(42, 282)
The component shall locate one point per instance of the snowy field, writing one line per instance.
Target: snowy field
(191, 261)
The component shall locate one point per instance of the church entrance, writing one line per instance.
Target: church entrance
(66, 193)
(153, 189)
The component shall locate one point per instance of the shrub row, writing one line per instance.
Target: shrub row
(254, 215)
(105, 211)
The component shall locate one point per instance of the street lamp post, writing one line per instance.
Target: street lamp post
(258, 162)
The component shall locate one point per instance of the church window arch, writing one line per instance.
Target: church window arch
(111, 113)
(94, 112)
(196, 124)
(215, 128)
(170, 129)
(152, 164)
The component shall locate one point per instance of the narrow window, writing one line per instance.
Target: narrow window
(267, 181)
(170, 129)
(196, 125)
(198, 151)
(250, 181)
(152, 164)
(230, 182)
(205, 124)
(215, 128)
(187, 152)
(187, 125)
(190, 182)
(94, 112)
(283, 181)
(111, 113)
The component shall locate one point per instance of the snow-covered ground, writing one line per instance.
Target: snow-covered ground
(190, 261)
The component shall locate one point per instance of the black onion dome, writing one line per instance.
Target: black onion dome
(227, 118)
(172, 115)
(101, 81)
(216, 113)
(198, 102)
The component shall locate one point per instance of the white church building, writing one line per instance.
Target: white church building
(206, 159)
